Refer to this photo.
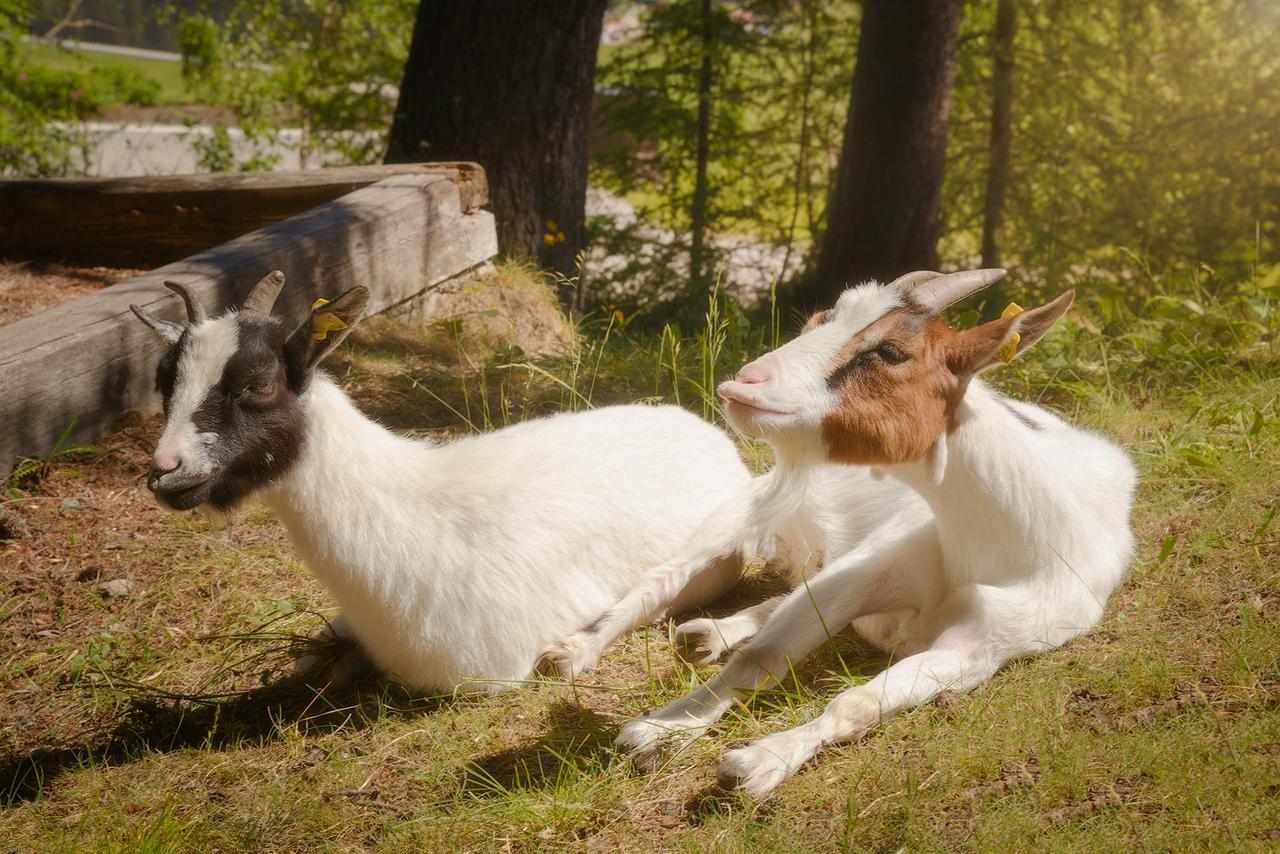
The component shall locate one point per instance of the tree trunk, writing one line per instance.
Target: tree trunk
(698, 213)
(800, 194)
(508, 84)
(1001, 131)
(882, 218)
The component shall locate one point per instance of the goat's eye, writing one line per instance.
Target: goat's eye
(891, 353)
(260, 389)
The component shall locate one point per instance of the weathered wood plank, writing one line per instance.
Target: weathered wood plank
(92, 361)
(139, 222)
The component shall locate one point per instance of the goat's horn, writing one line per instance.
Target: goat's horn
(911, 281)
(195, 311)
(263, 296)
(936, 294)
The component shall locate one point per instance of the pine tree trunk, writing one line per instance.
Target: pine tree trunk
(698, 213)
(1001, 131)
(882, 218)
(508, 84)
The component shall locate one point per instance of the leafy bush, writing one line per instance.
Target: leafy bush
(74, 95)
(329, 69)
(33, 98)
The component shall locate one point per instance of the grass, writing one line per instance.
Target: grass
(168, 75)
(1158, 730)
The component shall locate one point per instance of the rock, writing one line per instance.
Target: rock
(70, 503)
(12, 527)
(118, 587)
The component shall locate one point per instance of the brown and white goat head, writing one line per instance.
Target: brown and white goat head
(876, 379)
(231, 386)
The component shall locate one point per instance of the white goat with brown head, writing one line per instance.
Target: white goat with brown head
(999, 533)
(454, 563)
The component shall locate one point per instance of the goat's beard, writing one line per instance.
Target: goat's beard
(781, 500)
(216, 518)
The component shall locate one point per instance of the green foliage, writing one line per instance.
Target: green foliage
(166, 76)
(1140, 131)
(779, 94)
(80, 95)
(323, 67)
(29, 470)
(33, 97)
(1146, 137)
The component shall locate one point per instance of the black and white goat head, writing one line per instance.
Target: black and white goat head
(231, 387)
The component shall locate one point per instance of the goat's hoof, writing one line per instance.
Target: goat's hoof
(698, 641)
(337, 670)
(648, 740)
(566, 659)
(754, 770)
(640, 737)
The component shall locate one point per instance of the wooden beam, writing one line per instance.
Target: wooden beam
(146, 222)
(92, 361)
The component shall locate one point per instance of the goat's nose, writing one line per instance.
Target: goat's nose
(161, 466)
(754, 373)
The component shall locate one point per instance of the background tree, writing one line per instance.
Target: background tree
(1001, 130)
(751, 195)
(882, 219)
(508, 85)
(697, 270)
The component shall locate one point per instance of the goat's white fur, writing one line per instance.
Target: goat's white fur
(455, 564)
(1002, 542)
(199, 369)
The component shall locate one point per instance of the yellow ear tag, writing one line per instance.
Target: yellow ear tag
(325, 322)
(1010, 349)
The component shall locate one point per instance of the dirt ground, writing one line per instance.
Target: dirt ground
(28, 287)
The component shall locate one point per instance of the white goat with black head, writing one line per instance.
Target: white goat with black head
(454, 564)
(999, 532)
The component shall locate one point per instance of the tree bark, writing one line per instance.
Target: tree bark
(800, 194)
(882, 218)
(698, 212)
(509, 85)
(1001, 131)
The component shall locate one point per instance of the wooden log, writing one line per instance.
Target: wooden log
(146, 222)
(92, 361)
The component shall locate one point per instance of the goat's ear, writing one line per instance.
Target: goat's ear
(1000, 341)
(815, 320)
(323, 330)
(166, 329)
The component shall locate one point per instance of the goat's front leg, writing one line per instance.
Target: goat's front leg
(703, 640)
(650, 601)
(959, 660)
(335, 658)
(707, 569)
(806, 618)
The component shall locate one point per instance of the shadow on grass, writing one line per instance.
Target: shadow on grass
(150, 724)
(574, 739)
